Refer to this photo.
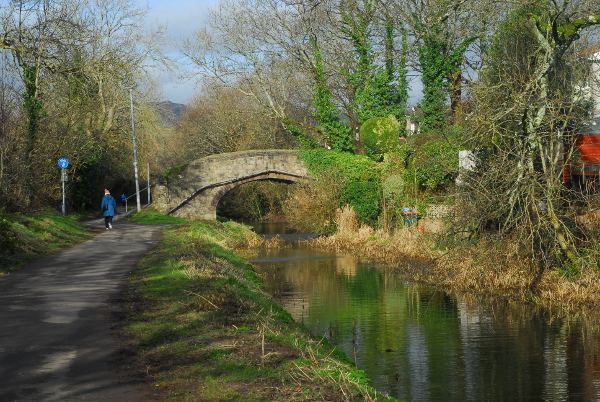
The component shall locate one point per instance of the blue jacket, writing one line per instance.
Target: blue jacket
(112, 205)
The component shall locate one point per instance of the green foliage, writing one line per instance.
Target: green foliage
(32, 107)
(336, 131)
(175, 171)
(432, 56)
(393, 188)
(380, 134)
(438, 61)
(339, 166)
(364, 197)
(307, 142)
(348, 178)
(434, 164)
(380, 90)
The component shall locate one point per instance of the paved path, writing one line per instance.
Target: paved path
(55, 320)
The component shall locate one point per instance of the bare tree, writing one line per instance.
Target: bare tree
(530, 108)
(284, 53)
(219, 120)
(75, 57)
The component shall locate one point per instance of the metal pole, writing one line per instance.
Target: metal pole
(135, 163)
(64, 207)
(148, 169)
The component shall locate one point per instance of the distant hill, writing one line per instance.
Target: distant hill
(170, 112)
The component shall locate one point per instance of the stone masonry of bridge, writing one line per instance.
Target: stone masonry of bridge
(195, 193)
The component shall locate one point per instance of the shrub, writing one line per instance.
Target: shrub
(343, 178)
(364, 197)
(380, 135)
(434, 165)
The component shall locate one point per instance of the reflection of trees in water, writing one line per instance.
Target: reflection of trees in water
(346, 265)
(563, 351)
(419, 343)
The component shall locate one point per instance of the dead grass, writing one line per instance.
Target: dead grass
(380, 245)
(489, 267)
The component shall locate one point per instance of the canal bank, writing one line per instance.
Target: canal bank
(196, 324)
(490, 266)
(420, 343)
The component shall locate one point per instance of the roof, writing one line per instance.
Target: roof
(593, 50)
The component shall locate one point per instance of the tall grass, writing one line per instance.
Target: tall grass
(380, 244)
(490, 266)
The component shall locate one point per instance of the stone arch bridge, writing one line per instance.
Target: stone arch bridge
(195, 193)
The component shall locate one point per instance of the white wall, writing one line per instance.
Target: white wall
(595, 83)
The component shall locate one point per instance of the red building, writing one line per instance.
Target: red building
(584, 172)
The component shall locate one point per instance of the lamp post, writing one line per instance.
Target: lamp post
(135, 163)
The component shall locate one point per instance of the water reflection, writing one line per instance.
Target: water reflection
(419, 344)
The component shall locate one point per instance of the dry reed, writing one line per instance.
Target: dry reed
(491, 267)
(380, 245)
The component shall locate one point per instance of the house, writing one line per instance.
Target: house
(583, 173)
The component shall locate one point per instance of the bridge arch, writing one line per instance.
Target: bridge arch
(196, 193)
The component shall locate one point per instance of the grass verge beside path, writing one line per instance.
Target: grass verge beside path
(199, 327)
(26, 238)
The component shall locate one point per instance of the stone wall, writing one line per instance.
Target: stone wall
(195, 193)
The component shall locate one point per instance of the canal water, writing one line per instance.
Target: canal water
(417, 343)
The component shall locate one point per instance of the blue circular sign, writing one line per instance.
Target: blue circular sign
(63, 162)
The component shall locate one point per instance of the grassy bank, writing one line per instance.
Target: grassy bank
(199, 327)
(26, 238)
(490, 267)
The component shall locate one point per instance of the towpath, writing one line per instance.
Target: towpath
(56, 342)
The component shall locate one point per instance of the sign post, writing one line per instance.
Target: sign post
(63, 163)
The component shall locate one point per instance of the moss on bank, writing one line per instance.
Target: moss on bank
(200, 327)
(26, 238)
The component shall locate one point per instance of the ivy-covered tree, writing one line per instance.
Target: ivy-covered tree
(336, 131)
(381, 89)
(439, 63)
(32, 106)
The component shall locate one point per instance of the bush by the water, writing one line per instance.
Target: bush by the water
(342, 178)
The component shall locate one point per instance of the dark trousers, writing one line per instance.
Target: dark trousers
(107, 220)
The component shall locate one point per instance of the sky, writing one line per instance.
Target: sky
(182, 18)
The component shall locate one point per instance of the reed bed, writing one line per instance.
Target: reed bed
(380, 245)
(492, 266)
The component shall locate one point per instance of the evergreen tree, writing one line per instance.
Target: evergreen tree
(328, 119)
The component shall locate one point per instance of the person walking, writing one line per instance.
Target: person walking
(109, 207)
(123, 199)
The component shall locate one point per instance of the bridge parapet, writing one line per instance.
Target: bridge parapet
(195, 194)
